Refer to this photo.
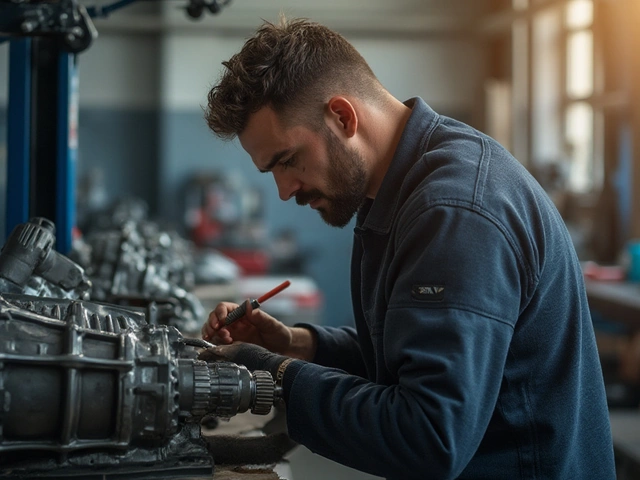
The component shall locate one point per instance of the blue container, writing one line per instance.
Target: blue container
(634, 261)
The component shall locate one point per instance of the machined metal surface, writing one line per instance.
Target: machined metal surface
(93, 387)
(29, 264)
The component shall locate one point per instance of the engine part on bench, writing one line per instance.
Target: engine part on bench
(172, 249)
(115, 215)
(139, 263)
(94, 387)
(30, 265)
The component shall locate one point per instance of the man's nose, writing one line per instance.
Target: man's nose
(287, 185)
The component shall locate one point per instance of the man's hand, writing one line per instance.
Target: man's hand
(255, 327)
(251, 356)
(261, 329)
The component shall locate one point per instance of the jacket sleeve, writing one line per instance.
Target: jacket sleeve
(338, 347)
(447, 357)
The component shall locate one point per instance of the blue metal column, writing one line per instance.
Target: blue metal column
(18, 134)
(67, 150)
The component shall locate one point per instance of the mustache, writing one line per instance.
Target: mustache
(304, 198)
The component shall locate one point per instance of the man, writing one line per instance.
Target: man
(473, 354)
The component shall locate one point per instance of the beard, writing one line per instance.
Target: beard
(347, 180)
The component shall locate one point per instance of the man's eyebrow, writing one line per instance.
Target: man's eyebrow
(275, 159)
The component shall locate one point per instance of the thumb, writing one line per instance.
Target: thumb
(259, 318)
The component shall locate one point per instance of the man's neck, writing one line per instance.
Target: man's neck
(383, 130)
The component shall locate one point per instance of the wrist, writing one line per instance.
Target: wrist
(279, 374)
(303, 344)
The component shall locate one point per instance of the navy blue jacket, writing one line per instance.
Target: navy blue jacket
(474, 354)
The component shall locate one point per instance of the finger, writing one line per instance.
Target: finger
(207, 332)
(225, 336)
(208, 327)
(212, 338)
(220, 314)
(220, 323)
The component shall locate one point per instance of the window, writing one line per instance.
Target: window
(585, 164)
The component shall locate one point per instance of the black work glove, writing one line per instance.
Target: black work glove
(251, 356)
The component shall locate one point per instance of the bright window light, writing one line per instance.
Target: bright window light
(580, 64)
(579, 142)
(520, 4)
(579, 13)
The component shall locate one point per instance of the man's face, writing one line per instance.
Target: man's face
(315, 168)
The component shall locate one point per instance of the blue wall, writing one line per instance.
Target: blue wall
(123, 144)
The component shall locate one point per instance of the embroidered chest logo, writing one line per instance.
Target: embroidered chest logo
(428, 293)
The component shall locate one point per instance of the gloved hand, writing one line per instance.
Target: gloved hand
(254, 357)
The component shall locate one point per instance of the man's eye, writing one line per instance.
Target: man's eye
(290, 162)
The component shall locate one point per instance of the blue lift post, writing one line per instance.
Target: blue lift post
(18, 134)
(42, 136)
(67, 151)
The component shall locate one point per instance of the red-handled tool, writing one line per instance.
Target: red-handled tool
(239, 312)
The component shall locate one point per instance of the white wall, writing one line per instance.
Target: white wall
(190, 66)
(120, 70)
(444, 72)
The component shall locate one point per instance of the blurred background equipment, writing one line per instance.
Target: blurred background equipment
(286, 255)
(133, 261)
(212, 267)
(222, 213)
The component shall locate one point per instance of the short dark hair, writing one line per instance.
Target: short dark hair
(292, 67)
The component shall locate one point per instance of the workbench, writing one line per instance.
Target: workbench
(625, 427)
(618, 301)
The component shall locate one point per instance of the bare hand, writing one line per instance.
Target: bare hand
(255, 327)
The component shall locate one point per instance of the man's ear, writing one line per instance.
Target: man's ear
(342, 116)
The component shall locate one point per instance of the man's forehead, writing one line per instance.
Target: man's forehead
(266, 137)
(262, 132)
